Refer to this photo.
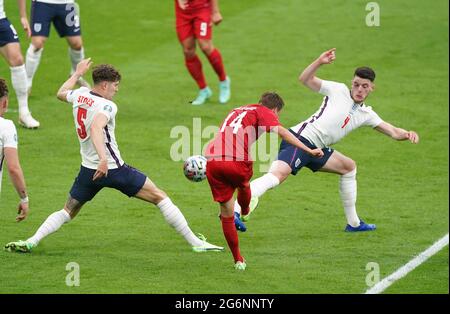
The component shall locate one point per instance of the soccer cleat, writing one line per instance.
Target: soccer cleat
(206, 246)
(203, 95)
(362, 227)
(27, 121)
(253, 204)
(240, 226)
(225, 91)
(19, 246)
(240, 265)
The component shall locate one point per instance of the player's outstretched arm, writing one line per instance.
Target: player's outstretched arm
(397, 133)
(18, 180)
(98, 124)
(308, 76)
(68, 85)
(291, 139)
(23, 17)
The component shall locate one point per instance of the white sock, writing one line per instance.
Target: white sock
(347, 189)
(260, 186)
(76, 56)
(175, 218)
(52, 224)
(32, 61)
(19, 83)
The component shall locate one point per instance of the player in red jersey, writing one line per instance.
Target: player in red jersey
(230, 166)
(194, 20)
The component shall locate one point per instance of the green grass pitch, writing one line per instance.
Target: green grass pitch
(295, 242)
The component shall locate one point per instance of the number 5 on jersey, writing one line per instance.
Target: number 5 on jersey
(81, 116)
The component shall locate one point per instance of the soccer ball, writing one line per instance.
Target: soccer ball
(195, 168)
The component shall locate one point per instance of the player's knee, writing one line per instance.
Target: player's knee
(244, 185)
(72, 212)
(207, 48)
(281, 176)
(157, 195)
(38, 44)
(76, 45)
(189, 52)
(350, 167)
(280, 172)
(16, 60)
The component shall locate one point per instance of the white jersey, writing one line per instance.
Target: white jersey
(338, 116)
(8, 138)
(56, 1)
(86, 105)
(2, 10)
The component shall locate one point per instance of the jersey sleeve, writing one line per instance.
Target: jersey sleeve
(72, 95)
(373, 119)
(267, 119)
(109, 110)
(9, 135)
(329, 87)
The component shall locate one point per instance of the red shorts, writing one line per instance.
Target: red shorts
(194, 23)
(225, 177)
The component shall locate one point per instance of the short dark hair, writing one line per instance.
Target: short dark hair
(365, 73)
(3, 88)
(272, 100)
(105, 73)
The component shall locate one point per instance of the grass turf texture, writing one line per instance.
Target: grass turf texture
(295, 242)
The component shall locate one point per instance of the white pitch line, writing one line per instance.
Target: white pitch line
(405, 269)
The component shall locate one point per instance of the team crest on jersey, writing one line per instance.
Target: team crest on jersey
(107, 108)
(297, 162)
(37, 27)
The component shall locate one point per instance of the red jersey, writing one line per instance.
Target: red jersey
(241, 128)
(195, 5)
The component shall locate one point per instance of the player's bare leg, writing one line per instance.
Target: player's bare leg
(13, 55)
(230, 233)
(76, 54)
(172, 214)
(50, 225)
(346, 168)
(194, 66)
(215, 59)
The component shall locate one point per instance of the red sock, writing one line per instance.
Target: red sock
(244, 196)
(215, 58)
(194, 66)
(230, 233)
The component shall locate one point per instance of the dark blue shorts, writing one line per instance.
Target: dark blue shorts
(126, 179)
(64, 16)
(8, 33)
(297, 158)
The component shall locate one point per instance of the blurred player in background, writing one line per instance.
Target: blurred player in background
(102, 166)
(230, 166)
(10, 50)
(64, 14)
(194, 20)
(341, 112)
(9, 154)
